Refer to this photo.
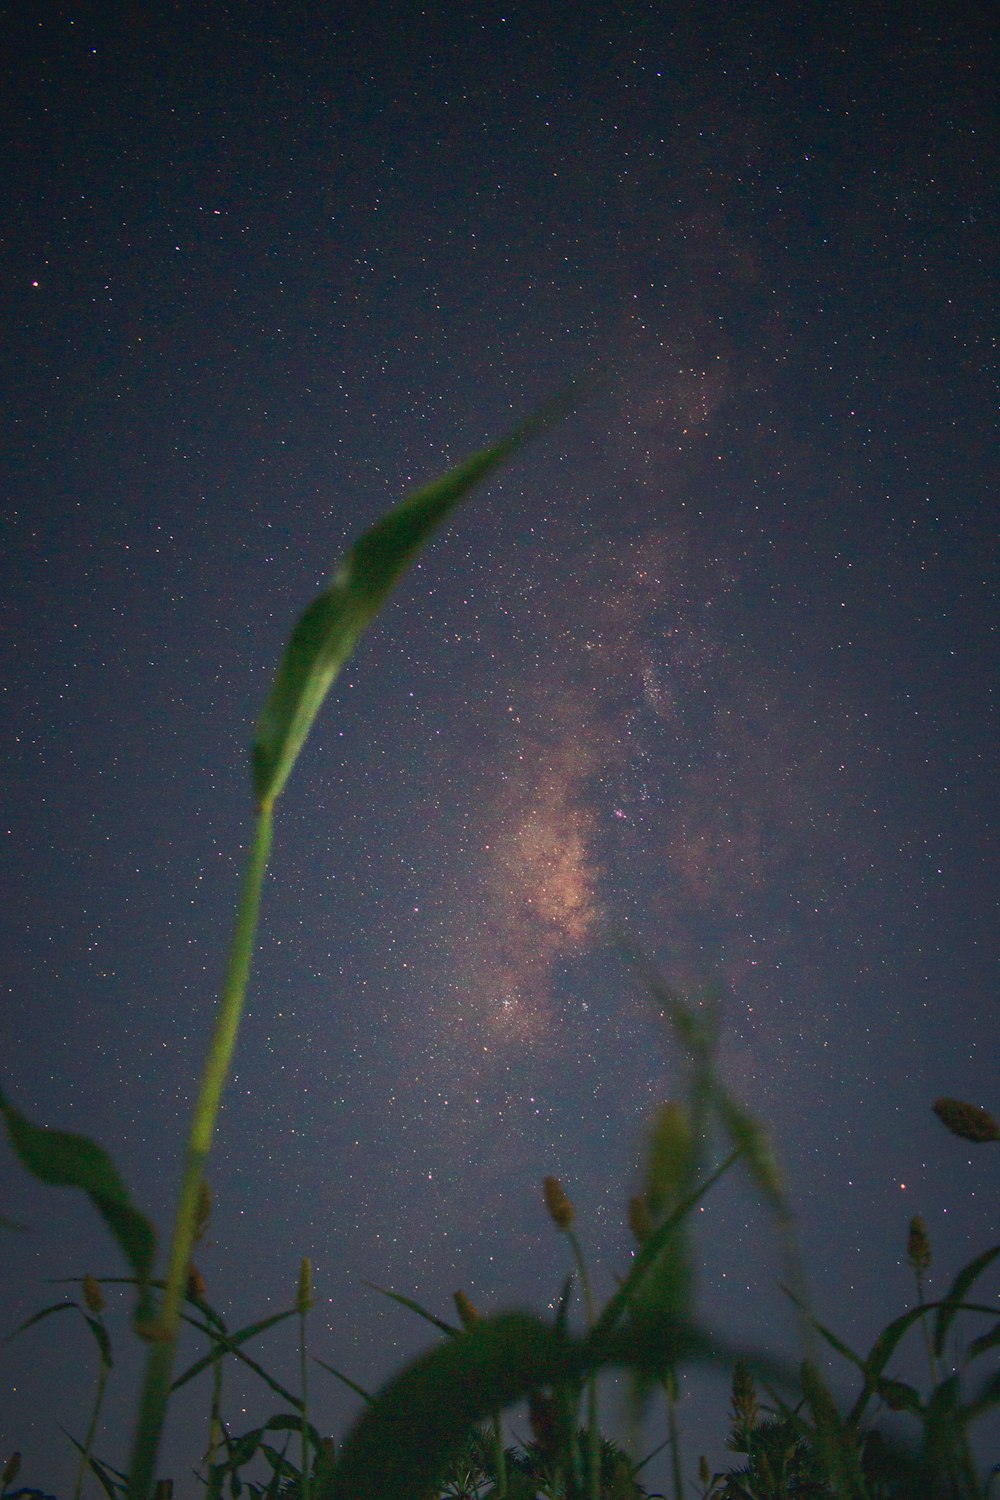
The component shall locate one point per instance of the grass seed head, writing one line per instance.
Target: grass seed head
(11, 1469)
(918, 1246)
(967, 1120)
(558, 1204)
(196, 1287)
(92, 1294)
(304, 1296)
(468, 1313)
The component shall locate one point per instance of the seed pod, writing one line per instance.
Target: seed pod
(468, 1313)
(967, 1120)
(92, 1294)
(558, 1204)
(11, 1469)
(918, 1246)
(304, 1296)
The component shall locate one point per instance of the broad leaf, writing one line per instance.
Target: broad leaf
(65, 1160)
(403, 1443)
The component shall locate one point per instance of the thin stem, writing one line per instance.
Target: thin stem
(593, 1431)
(88, 1442)
(305, 1485)
(501, 1456)
(163, 1335)
(931, 1360)
(670, 1388)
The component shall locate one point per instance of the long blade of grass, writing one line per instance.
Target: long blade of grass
(251, 1364)
(45, 1312)
(649, 1251)
(329, 630)
(352, 1385)
(67, 1160)
(228, 1342)
(421, 1312)
(956, 1294)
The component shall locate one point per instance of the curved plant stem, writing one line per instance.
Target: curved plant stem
(163, 1334)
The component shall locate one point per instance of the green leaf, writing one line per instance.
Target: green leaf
(228, 1346)
(984, 1400)
(404, 1441)
(329, 629)
(956, 1294)
(670, 1161)
(651, 1249)
(352, 1385)
(112, 1487)
(985, 1342)
(416, 1307)
(228, 1343)
(65, 1160)
(46, 1312)
(750, 1138)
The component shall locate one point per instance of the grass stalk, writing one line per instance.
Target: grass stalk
(88, 1442)
(593, 1430)
(304, 1302)
(163, 1334)
(670, 1391)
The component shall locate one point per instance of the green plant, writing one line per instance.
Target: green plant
(321, 642)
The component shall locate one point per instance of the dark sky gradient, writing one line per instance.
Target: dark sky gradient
(713, 664)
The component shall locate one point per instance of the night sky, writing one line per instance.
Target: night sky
(712, 664)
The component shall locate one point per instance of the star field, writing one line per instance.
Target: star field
(710, 668)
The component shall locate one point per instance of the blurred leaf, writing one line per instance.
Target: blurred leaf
(750, 1138)
(942, 1430)
(956, 1294)
(404, 1441)
(651, 1248)
(835, 1440)
(111, 1480)
(985, 1342)
(899, 1397)
(416, 1307)
(352, 1385)
(65, 1160)
(327, 632)
(987, 1397)
(670, 1158)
